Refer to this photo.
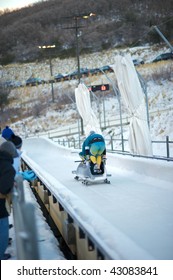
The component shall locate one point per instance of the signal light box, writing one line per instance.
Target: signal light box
(99, 87)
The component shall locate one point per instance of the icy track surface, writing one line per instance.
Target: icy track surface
(133, 215)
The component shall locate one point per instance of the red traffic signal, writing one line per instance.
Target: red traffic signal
(103, 87)
(99, 87)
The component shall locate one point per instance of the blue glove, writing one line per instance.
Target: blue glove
(28, 175)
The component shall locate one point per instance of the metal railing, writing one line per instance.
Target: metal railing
(76, 144)
(72, 141)
(72, 228)
(73, 129)
(24, 224)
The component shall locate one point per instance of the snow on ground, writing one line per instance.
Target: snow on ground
(158, 77)
(160, 98)
(132, 215)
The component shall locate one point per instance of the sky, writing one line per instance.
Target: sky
(13, 4)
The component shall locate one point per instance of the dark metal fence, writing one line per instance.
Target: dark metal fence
(166, 145)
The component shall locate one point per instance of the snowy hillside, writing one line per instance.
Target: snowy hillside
(40, 114)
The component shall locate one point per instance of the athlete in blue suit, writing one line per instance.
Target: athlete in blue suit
(94, 148)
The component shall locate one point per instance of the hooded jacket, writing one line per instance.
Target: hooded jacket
(92, 138)
(7, 174)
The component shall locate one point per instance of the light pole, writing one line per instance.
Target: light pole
(117, 93)
(49, 47)
(76, 19)
(164, 38)
(77, 27)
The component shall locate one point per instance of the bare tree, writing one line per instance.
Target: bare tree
(117, 22)
(4, 94)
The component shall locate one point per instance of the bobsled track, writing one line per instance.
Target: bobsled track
(131, 218)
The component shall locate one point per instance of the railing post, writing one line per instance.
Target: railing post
(112, 143)
(122, 143)
(31, 238)
(167, 146)
(24, 224)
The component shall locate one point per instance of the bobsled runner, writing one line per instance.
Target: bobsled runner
(85, 172)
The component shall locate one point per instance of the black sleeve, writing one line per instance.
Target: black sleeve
(87, 151)
(7, 180)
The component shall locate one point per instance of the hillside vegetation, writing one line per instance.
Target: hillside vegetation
(117, 23)
(31, 108)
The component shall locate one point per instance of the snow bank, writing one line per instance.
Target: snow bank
(150, 167)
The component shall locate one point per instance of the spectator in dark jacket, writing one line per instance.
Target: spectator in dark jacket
(7, 174)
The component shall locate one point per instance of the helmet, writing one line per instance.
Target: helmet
(92, 132)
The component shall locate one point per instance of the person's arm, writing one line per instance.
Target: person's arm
(87, 147)
(16, 164)
(85, 150)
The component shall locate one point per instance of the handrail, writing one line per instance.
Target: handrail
(24, 224)
(74, 143)
(74, 130)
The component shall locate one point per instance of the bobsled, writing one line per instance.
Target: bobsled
(86, 174)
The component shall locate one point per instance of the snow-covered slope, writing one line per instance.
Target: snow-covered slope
(158, 79)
